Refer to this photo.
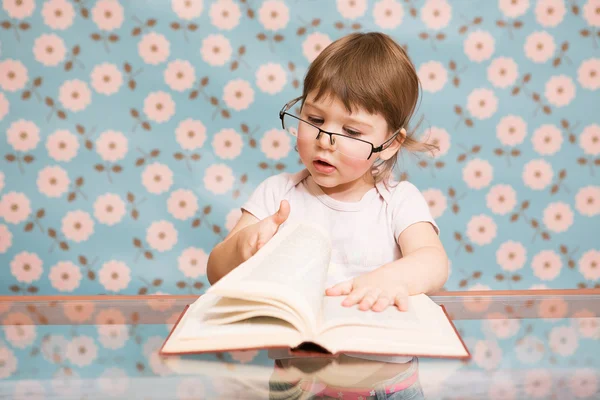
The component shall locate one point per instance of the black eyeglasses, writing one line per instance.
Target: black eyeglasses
(347, 145)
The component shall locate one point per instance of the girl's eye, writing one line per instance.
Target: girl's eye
(351, 132)
(315, 121)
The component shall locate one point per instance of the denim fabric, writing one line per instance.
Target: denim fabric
(282, 390)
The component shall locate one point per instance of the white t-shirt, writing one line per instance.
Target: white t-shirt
(364, 234)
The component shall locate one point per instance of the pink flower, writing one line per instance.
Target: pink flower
(8, 362)
(26, 267)
(274, 15)
(78, 311)
(19, 330)
(538, 383)
(192, 262)
(502, 326)
(238, 94)
(225, 14)
(503, 72)
(583, 383)
(227, 144)
(550, 12)
(19, 9)
(388, 14)
(589, 265)
(563, 340)
(589, 140)
(487, 354)
(481, 229)
(15, 207)
(113, 336)
(108, 14)
(482, 103)
(23, 135)
(161, 304)
(218, 178)
(231, 219)
(511, 130)
(154, 48)
(351, 9)
(552, 309)
(106, 79)
(109, 209)
(275, 144)
(436, 14)
(182, 204)
(587, 201)
(58, 14)
(77, 226)
(6, 239)
(114, 275)
(4, 106)
(501, 199)
(270, 78)
(560, 90)
(511, 256)
(439, 137)
(180, 75)
(478, 173)
(53, 181)
(75, 95)
(479, 46)
(558, 217)
(537, 174)
(244, 356)
(530, 350)
(82, 351)
(62, 145)
(110, 316)
(547, 140)
(477, 304)
(216, 50)
(433, 76)
(314, 44)
(190, 134)
(187, 9)
(111, 146)
(587, 324)
(512, 8)
(49, 49)
(157, 178)
(161, 235)
(65, 276)
(546, 265)
(539, 47)
(13, 75)
(588, 74)
(159, 106)
(591, 14)
(436, 201)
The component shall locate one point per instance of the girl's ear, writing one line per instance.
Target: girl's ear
(394, 146)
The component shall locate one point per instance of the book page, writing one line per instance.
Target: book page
(291, 267)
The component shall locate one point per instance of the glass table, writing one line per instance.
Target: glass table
(541, 344)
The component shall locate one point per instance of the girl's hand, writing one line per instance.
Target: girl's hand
(255, 236)
(371, 291)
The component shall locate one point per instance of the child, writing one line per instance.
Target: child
(350, 124)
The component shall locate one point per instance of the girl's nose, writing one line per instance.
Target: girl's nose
(326, 141)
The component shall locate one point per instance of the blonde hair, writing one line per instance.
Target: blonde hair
(370, 71)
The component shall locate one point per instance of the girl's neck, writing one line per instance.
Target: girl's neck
(350, 192)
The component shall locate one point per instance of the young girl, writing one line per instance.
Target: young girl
(350, 125)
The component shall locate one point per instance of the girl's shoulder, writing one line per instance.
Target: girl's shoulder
(285, 181)
(394, 192)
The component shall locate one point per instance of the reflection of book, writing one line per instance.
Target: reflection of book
(276, 300)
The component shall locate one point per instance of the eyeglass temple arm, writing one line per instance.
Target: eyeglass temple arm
(381, 148)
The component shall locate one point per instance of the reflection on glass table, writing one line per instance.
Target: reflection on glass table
(529, 344)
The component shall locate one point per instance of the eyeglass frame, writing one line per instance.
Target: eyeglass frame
(374, 149)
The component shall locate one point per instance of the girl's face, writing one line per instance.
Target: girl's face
(337, 173)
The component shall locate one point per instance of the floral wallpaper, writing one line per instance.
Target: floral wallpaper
(133, 131)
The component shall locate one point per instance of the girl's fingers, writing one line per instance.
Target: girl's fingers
(369, 299)
(382, 302)
(340, 289)
(354, 297)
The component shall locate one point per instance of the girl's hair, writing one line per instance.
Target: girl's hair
(370, 71)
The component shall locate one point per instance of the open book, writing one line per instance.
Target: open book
(276, 300)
